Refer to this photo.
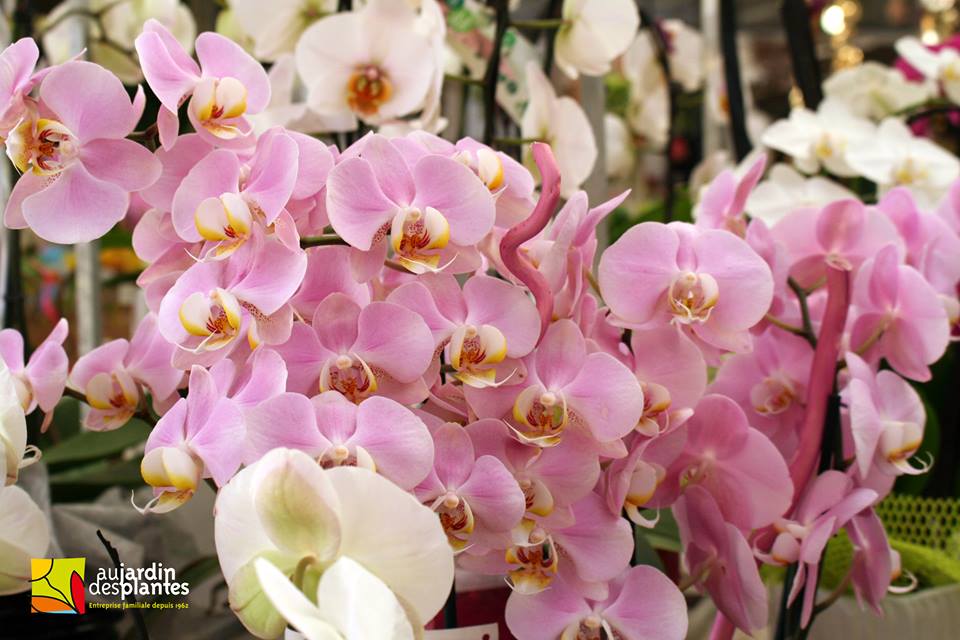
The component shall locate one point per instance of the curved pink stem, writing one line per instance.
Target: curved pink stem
(518, 265)
(822, 374)
(722, 628)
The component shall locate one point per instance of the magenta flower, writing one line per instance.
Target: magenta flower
(381, 348)
(482, 325)
(734, 462)
(565, 386)
(642, 604)
(201, 436)
(225, 87)
(78, 170)
(897, 315)
(708, 280)
(41, 382)
(844, 233)
(111, 376)
(432, 211)
(473, 495)
(717, 551)
(886, 417)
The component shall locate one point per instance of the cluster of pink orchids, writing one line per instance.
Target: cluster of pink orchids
(418, 310)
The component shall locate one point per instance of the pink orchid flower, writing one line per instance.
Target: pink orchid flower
(472, 494)
(378, 434)
(630, 483)
(508, 181)
(587, 552)
(111, 376)
(844, 232)
(563, 387)
(201, 436)
(225, 87)
(177, 162)
(328, 271)
(382, 348)
(17, 80)
(886, 418)
(213, 303)
(723, 202)
(770, 385)
(734, 462)
(708, 280)
(898, 316)
(642, 605)
(829, 503)
(550, 478)
(262, 376)
(564, 252)
(482, 325)
(672, 374)
(875, 564)
(41, 382)
(717, 551)
(929, 240)
(433, 211)
(221, 200)
(78, 170)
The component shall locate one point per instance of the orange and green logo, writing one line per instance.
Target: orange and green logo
(57, 585)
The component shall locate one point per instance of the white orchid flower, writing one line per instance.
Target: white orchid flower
(120, 23)
(351, 604)
(620, 150)
(822, 138)
(786, 190)
(941, 66)
(13, 428)
(276, 26)
(287, 510)
(373, 64)
(594, 33)
(897, 158)
(875, 91)
(24, 534)
(561, 123)
(288, 106)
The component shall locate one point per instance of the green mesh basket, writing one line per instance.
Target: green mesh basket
(926, 533)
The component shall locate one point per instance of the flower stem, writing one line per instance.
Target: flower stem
(325, 240)
(804, 311)
(822, 378)
(492, 76)
(540, 24)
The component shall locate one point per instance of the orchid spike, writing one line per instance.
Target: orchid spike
(534, 224)
(821, 381)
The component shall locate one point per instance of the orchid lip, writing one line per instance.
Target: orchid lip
(43, 146)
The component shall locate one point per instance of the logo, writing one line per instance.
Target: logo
(56, 585)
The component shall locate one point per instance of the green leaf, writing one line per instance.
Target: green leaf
(643, 551)
(665, 535)
(104, 473)
(94, 445)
